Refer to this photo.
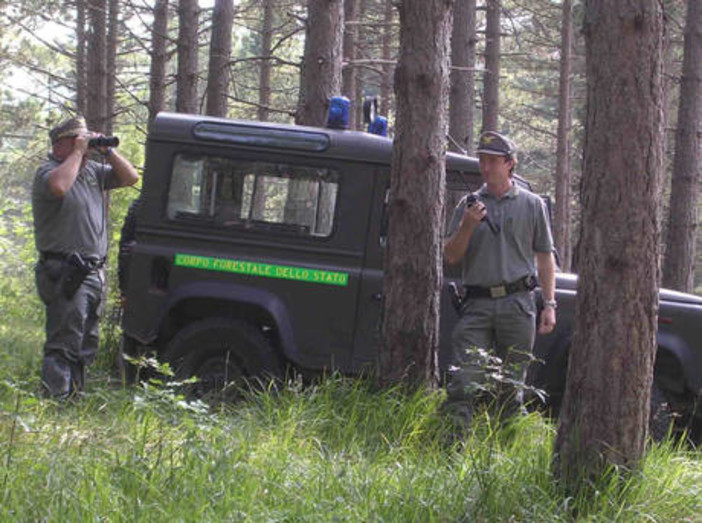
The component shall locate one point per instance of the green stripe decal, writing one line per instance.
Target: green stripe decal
(265, 270)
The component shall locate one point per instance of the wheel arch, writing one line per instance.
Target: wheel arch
(199, 300)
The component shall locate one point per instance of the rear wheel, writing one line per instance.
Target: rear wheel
(661, 415)
(223, 354)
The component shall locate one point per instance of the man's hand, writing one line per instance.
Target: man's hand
(80, 144)
(474, 214)
(548, 320)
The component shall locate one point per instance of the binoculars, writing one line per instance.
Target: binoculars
(103, 141)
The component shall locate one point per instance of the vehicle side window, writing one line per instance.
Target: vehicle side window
(253, 195)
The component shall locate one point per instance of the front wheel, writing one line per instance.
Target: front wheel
(223, 354)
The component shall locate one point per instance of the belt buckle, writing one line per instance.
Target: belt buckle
(499, 291)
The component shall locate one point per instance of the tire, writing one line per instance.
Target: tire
(126, 243)
(224, 354)
(659, 425)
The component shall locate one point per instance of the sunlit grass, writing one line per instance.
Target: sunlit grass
(340, 450)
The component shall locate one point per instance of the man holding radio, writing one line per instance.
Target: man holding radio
(503, 239)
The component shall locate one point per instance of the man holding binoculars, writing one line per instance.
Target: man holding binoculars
(68, 202)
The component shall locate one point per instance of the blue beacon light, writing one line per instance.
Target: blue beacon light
(338, 117)
(379, 126)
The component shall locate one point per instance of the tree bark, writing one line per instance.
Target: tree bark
(563, 178)
(321, 68)
(491, 80)
(605, 411)
(678, 269)
(96, 58)
(462, 101)
(81, 88)
(386, 81)
(348, 73)
(220, 57)
(413, 263)
(159, 59)
(320, 80)
(186, 91)
(258, 198)
(111, 76)
(264, 93)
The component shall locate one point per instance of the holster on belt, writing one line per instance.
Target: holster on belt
(75, 270)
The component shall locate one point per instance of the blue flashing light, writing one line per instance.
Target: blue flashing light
(379, 126)
(338, 117)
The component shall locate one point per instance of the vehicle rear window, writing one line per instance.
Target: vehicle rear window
(228, 193)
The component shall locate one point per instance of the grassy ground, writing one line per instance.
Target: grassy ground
(337, 451)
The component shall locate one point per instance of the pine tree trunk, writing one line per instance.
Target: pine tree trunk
(360, 73)
(186, 92)
(413, 264)
(258, 198)
(220, 57)
(562, 218)
(491, 80)
(81, 88)
(320, 80)
(159, 58)
(96, 63)
(321, 68)
(264, 93)
(678, 269)
(462, 99)
(348, 73)
(112, 32)
(604, 417)
(388, 68)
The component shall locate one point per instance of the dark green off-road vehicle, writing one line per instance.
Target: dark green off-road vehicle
(259, 246)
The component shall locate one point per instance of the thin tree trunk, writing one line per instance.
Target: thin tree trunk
(112, 32)
(264, 93)
(220, 57)
(462, 99)
(96, 58)
(388, 68)
(186, 91)
(360, 74)
(604, 417)
(159, 58)
(413, 264)
(258, 198)
(491, 80)
(678, 269)
(320, 80)
(348, 73)
(81, 104)
(561, 225)
(321, 69)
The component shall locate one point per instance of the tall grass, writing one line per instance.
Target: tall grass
(336, 451)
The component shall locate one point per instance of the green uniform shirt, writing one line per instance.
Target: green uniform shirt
(75, 222)
(505, 257)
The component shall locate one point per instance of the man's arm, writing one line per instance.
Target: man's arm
(125, 173)
(546, 266)
(456, 246)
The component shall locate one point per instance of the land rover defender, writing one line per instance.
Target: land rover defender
(258, 246)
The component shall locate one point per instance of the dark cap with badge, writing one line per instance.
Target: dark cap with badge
(496, 144)
(69, 128)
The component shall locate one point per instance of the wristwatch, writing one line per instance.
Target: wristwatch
(550, 303)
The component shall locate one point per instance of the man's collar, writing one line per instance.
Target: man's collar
(512, 192)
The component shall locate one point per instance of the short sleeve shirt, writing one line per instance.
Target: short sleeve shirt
(75, 222)
(508, 255)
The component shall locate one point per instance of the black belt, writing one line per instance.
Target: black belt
(95, 261)
(500, 291)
